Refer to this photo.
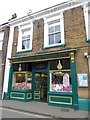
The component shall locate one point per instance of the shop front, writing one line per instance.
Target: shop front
(47, 78)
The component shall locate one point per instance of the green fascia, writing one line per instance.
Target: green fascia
(88, 40)
(23, 51)
(56, 45)
(84, 104)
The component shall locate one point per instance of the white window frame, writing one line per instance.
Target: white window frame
(1, 39)
(21, 28)
(47, 20)
(87, 21)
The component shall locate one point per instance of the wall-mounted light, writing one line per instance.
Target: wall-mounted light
(15, 44)
(85, 54)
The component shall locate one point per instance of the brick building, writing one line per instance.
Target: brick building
(48, 58)
(4, 36)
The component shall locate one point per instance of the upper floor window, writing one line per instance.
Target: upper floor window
(1, 39)
(54, 30)
(54, 33)
(25, 38)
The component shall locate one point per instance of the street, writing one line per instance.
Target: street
(10, 113)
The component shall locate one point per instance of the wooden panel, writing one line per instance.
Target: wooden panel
(17, 95)
(60, 100)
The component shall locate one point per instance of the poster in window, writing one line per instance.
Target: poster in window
(82, 80)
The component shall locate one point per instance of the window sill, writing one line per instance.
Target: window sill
(22, 51)
(55, 45)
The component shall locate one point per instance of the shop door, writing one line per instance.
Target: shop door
(40, 88)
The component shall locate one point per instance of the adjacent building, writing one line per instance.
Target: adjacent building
(4, 36)
(48, 58)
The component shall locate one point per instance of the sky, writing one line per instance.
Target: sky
(22, 7)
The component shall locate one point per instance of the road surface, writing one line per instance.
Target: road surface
(9, 113)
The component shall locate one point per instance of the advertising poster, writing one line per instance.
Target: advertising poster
(82, 80)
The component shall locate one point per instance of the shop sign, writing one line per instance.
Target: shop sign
(41, 57)
(82, 80)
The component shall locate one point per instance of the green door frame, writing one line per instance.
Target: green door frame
(34, 71)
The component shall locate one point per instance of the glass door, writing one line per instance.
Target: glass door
(40, 88)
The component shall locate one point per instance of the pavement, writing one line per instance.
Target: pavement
(42, 108)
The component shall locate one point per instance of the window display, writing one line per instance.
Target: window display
(60, 81)
(22, 80)
(60, 76)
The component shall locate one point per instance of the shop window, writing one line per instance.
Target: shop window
(22, 80)
(60, 76)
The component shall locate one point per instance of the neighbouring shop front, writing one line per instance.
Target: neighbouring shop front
(47, 78)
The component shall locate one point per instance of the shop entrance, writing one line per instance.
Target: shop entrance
(40, 86)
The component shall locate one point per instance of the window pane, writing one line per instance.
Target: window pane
(57, 28)
(23, 38)
(26, 39)
(51, 39)
(60, 82)
(51, 29)
(26, 44)
(57, 38)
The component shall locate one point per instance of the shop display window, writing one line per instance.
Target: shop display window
(60, 76)
(22, 80)
(60, 81)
